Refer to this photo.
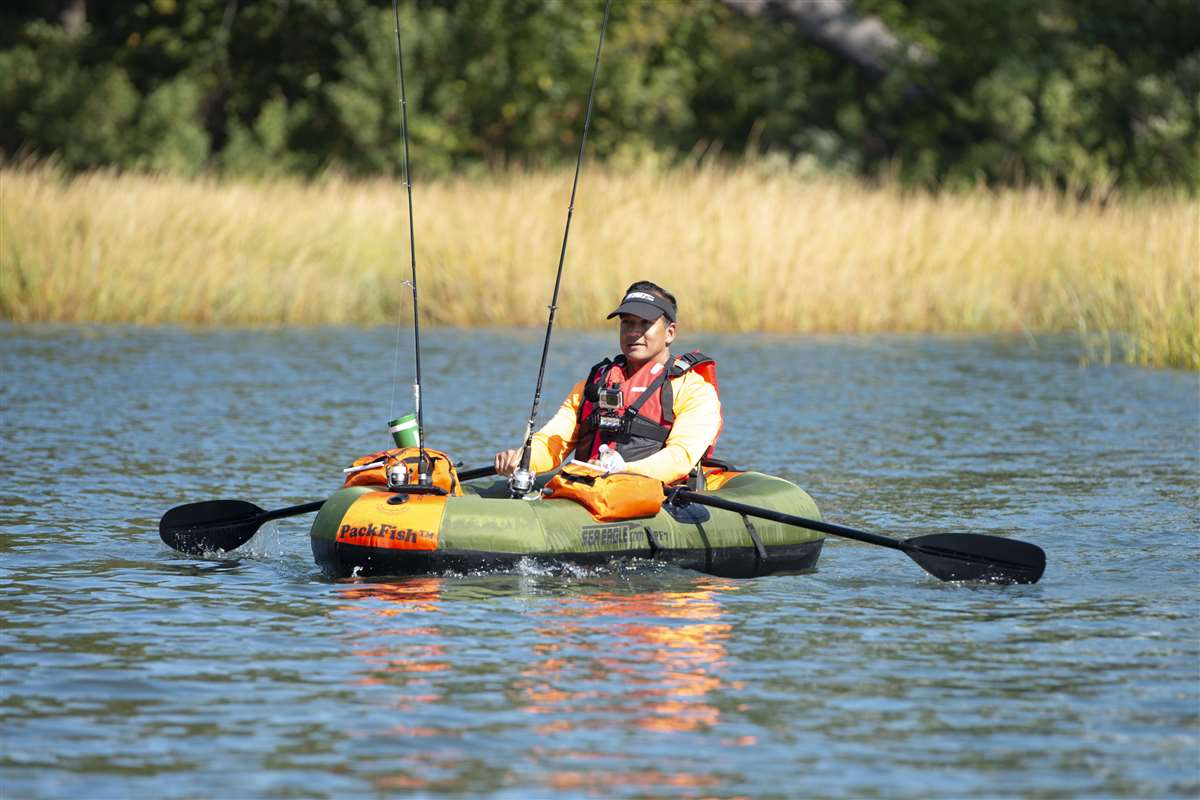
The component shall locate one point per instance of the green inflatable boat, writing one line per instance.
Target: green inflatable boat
(370, 530)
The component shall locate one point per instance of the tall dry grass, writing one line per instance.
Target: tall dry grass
(744, 250)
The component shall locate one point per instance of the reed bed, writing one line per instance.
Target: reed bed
(744, 248)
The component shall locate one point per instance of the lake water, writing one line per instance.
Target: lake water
(129, 670)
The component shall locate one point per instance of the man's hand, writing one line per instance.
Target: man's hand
(507, 462)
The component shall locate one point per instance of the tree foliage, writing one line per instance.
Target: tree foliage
(1087, 95)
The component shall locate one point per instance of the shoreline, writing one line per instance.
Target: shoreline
(1099, 351)
(744, 250)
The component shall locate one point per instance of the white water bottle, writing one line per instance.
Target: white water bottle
(609, 459)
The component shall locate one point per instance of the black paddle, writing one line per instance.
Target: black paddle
(219, 525)
(478, 472)
(212, 526)
(948, 556)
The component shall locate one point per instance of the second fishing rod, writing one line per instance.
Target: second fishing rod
(521, 482)
(401, 428)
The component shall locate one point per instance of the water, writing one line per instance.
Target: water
(133, 671)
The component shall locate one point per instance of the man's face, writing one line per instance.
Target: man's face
(643, 340)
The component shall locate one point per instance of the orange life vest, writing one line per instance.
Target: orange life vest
(640, 425)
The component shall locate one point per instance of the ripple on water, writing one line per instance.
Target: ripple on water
(130, 670)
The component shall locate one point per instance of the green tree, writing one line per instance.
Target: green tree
(1086, 96)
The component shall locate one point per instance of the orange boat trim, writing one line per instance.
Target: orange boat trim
(373, 522)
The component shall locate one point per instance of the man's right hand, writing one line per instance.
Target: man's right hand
(507, 462)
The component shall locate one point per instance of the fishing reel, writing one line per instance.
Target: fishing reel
(400, 477)
(405, 476)
(520, 484)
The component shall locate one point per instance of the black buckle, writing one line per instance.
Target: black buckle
(404, 490)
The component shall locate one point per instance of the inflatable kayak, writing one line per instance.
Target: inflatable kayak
(373, 530)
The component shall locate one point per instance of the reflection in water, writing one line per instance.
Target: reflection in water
(383, 661)
(646, 778)
(665, 661)
(414, 594)
(603, 659)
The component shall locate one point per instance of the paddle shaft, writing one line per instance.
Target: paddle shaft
(308, 508)
(478, 472)
(290, 511)
(948, 557)
(789, 519)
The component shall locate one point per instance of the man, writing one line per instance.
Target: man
(660, 414)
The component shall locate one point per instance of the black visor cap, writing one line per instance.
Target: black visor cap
(646, 306)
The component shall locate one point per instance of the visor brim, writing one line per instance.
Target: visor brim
(647, 311)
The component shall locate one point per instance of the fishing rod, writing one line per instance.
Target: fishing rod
(521, 481)
(424, 477)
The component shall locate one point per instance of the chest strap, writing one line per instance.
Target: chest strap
(654, 386)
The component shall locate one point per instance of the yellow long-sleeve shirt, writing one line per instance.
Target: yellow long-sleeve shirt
(697, 422)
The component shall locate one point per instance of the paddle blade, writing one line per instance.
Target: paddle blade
(209, 526)
(974, 557)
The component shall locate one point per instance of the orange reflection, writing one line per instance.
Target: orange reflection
(643, 778)
(413, 595)
(406, 667)
(651, 661)
(665, 671)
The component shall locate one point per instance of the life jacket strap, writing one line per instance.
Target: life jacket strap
(630, 427)
(667, 402)
(595, 374)
(686, 361)
(679, 365)
(632, 409)
(643, 428)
